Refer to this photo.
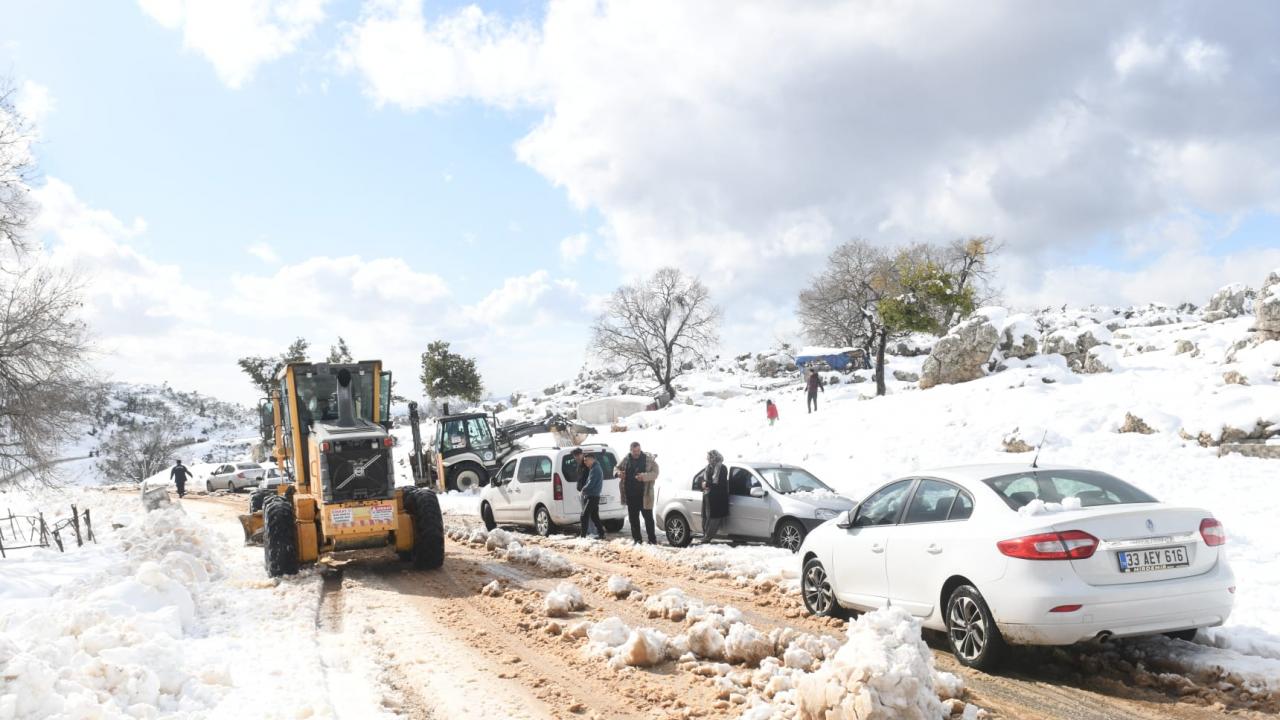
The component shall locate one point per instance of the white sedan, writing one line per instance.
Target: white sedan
(1011, 554)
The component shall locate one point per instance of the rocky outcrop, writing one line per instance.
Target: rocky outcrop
(1233, 377)
(1020, 338)
(1100, 359)
(1267, 308)
(1182, 347)
(904, 376)
(1230, 301)
(1075, 345)
(962, 355)
(1135, 424)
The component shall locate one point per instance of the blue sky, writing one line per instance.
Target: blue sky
(228, 174)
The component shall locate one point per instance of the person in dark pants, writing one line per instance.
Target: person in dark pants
(580, 470)
(715, 496)
(179, 475)
(638, 471)
(591, 495)
(812, 385)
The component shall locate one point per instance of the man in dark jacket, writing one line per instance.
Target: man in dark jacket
(813, 383)
(179, 475)
(715, 496)
(591, 496)
(638, 471)
(580, 470)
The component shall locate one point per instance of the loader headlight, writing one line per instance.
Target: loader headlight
(825, 513)
(488, 456)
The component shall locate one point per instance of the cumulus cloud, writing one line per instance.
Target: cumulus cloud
(34, 102)
(237, 36)
(574, 247)
(742, 144)
(264, 252)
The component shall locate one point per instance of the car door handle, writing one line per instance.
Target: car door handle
(934, 549)
(877, 548)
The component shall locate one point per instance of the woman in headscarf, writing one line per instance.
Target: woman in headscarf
(715, 496)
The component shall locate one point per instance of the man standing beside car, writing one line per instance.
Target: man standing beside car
(715, 496)
(591, 496)
(179, 475)
(580, 469)
(638, 471)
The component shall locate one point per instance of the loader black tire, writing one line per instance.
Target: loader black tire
(428, 528)
(257, 498)
(279, 537)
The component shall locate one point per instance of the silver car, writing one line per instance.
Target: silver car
(768, 502)
(234, 476)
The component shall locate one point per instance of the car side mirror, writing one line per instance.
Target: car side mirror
(845, 519)
(757, 492)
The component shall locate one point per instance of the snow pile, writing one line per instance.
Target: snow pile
(604, 636)
(706, 640)
(672, 604)
(566, 598)
(112, 644)
(884, 670)
(493, 589)
(621, 586)
(747, 645)
(498, 539)
(552, 562)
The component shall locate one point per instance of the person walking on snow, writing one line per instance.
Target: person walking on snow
(638, 471)
(812, 385)
(771, 412)
(715, 496)
(591, 496)
(179, 475)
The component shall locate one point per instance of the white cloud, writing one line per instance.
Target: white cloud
(264, 252)
(237, 36)
(574, 247)
(743, 144)
(34, 102)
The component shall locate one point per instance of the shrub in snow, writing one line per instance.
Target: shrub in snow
(961, 355)
(672, 604)
(620, 586)
(883, 671)
(747, 645)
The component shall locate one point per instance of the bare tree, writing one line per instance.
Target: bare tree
(17, 168)
(133, 454)
(43, 376)
(970, 261)
(658, 326)
(869, 296)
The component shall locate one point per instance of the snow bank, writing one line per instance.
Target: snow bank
(706, 640)
(671, 603)
(644, 647)
(747, 645)
(884, 670)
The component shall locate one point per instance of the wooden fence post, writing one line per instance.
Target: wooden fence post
(44, 532)
(88, 525)
(75, 523)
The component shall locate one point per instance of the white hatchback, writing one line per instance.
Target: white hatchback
(1000, 554)
(538, 488)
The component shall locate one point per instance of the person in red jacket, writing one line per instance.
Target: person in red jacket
(771, 412)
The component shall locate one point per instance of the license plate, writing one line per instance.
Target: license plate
(605, 499)
(1158, 559)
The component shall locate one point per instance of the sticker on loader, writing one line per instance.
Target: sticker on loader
(341, 516)
(382, 513)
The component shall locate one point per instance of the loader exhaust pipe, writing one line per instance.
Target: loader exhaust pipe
(346, 406)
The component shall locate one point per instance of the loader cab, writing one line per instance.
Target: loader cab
(463, 434)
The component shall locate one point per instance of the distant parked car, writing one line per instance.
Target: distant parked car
(234, 476)
(1009, 554)
(538, 488)
(768, 502)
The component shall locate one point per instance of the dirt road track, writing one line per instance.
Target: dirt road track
(440, 649)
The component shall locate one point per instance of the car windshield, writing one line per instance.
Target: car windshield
(1089, 487)
(788, 480)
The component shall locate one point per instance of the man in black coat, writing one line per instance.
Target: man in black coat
(179, 475)
(715, 496)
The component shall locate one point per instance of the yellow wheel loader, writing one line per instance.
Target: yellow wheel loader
(332, 435)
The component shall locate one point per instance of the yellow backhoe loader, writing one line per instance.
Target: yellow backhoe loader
(333, 443)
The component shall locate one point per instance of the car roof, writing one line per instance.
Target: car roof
(757, 464)
(974, 474)
(593, 447)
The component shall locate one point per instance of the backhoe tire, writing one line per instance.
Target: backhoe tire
(279, 537)
(257, 498)
(428, 529)
(466, 476)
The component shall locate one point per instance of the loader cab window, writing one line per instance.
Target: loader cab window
(465, 433)
(318, 396)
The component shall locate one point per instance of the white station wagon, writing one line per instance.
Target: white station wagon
(999, 554)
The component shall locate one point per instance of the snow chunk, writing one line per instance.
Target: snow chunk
(644, 647)
(498, 538)
(747, 645)
(621, 586)
(610, 632)
(493, 589)
(706, 640)
(566, 598)
(672, 604)
(884, 670)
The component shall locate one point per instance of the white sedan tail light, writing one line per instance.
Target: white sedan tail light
(1065, 545)
(1213, 532)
